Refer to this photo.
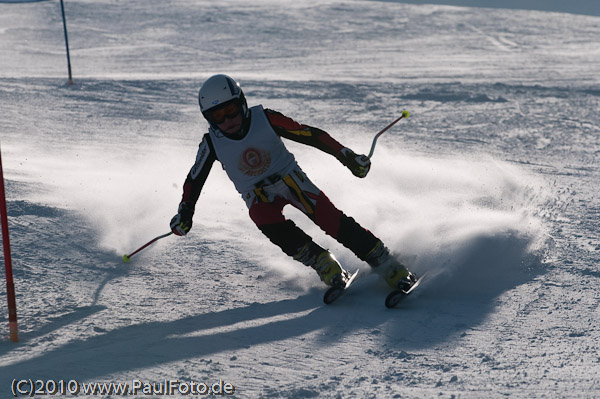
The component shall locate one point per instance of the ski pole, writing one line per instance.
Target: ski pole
(405, 114)
(127, 258)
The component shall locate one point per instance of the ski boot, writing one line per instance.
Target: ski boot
(324, 263)
(330, 271)
(395, 274)
(400, 278)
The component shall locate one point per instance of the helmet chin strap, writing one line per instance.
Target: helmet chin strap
(235, 136)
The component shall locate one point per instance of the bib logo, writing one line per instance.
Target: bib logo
(254, 162)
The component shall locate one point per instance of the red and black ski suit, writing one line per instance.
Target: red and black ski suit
(266, 198)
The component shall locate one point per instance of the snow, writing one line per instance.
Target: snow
(491, 185)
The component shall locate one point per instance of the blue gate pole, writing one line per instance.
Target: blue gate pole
(62, 8)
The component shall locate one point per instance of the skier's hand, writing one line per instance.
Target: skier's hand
(359, 165)
(181, 223)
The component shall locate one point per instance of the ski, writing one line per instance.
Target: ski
(334, 293)
(396, 296)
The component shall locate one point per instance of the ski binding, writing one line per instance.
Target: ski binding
(396, 296)
(334, 293)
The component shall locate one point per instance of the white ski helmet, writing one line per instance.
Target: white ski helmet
(217, 91)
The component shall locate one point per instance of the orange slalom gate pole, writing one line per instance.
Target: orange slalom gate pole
(10, 285)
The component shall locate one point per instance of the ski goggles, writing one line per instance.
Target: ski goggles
(229, 110)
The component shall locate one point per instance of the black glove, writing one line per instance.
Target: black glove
(181, 223)
(359, 165)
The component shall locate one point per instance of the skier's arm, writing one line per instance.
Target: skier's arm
(199, 172)
(286, 127)
(182, 222)
(292, 130)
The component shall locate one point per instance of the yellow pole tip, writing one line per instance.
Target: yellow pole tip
(126, 258)
(405, 114)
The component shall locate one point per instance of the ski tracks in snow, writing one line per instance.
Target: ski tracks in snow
(499, 41)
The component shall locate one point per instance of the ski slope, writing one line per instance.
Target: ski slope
(491, 185)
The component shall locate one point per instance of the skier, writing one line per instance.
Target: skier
(247, 142)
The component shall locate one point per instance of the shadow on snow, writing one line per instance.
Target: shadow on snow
(449, 302)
